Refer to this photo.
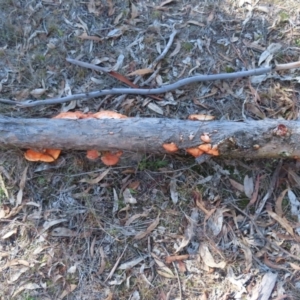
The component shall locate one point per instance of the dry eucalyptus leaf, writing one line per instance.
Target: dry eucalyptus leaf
(128, 198)
(150, 228)
(283, 222)
(134, 11)
(208, 259)
(190, 230)
(97, 179)
(69, 289)
(237, 185)
(22, 185)
(263, 289)
(37, 93)
(173, 191)
(27, 286)
(62, 231)
(141, 72)
(248, 186)
(152, 106)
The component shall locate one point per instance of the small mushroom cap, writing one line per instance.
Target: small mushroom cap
(111, 159)
(205, 138)
(214, 151)
(196, 152)
(208, 149)
(107, 114)
(92, 154)
(205, 147)
(171, 147)
(53, 152)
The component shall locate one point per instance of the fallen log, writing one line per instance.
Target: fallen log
(248, 139)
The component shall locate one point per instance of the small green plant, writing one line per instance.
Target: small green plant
(39, 58)
(152, 165)
(156, 14)
(42, 181)
(297, 42)
(27, 297)
(229, 69)
(284, 16)
(187, 46)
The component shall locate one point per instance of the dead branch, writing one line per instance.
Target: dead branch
(154, 91)
(249, 139)
(134, 91)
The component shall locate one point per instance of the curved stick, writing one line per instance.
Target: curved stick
(160, 90)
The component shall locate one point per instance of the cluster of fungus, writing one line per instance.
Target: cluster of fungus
(196, 151)
(50, 155)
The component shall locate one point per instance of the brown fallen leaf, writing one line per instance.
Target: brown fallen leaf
(162, 269)
(278, 203)
(97, 179)
(69, 289)
(273, 265)
(134, 11)
(22, 185)
(237, 185)
(193, 22)
(255, 192)
(282, 221)
(111, 7)
(189, 232)
(85, 36)
(150, 228)
(172, 258)
(141, 72)
(208, 259)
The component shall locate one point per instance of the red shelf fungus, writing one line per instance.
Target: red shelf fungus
(46, 155)
(70, 115)
(171, 147)
(92, 154)
(50, 155)
(110, 158)
(196, 152)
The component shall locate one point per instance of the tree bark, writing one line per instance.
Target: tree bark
(249, 139)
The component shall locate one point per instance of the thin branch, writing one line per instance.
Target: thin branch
(87, 65)
(160, 90)
(133, 91)
(170, 42)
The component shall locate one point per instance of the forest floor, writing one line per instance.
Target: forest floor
(153, 226)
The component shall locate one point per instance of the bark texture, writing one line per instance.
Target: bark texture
(249, 139)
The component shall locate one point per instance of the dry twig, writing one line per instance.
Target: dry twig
(160, 90)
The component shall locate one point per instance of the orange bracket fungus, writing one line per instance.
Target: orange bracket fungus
(92, 154)
(208, 149)
(50, 155)
(46, 155)
(110, 158)
(196, 152)
(204, 148)
(171, 147)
